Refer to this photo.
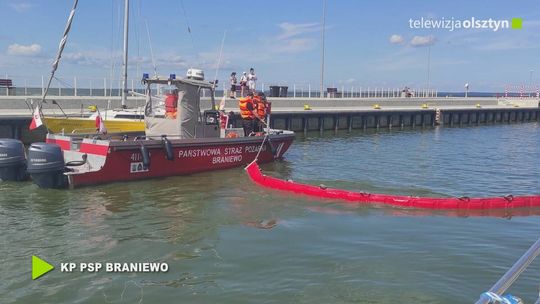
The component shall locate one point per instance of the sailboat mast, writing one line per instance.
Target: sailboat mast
(125, 64)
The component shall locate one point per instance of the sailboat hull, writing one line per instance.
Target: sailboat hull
(88, 125)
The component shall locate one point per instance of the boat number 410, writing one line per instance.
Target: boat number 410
(136, 166)
(136, 157)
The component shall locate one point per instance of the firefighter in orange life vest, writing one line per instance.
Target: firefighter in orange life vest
(262, 107)
(171, 104)
(248, 112)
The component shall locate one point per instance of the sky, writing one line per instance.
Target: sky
(367, 43)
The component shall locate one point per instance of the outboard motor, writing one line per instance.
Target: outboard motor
(46, 165)
(12, 160)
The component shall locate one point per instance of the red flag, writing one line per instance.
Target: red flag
(224, 120)
(100, 125)
(36, 119)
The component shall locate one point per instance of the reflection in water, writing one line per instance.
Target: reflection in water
(338, 208)
(502, 213)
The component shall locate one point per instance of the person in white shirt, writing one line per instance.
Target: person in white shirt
(232, 93)
(252, 80)
(243, 84)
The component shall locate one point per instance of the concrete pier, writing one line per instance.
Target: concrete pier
(398, 118)
(325, 114)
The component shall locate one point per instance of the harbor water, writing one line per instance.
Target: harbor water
(228, 241)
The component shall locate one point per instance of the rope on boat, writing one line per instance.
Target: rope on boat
(260, 148)
(258, 152)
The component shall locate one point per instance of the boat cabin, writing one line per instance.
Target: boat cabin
(179, 115)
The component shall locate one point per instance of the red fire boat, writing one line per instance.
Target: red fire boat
(187, 142)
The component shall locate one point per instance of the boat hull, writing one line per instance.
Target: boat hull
(88, 125)
(114, 161)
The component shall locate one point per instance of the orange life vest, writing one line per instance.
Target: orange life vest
(244, 110)
(261, 107)
(171, 103)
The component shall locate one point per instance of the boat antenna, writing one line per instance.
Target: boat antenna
(219, 59)
(60, 50)
(187, 24)
(126, 32)
(151, 49)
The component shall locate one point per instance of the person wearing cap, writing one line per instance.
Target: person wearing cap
(252, 80)
(232, 93)
(243, 84)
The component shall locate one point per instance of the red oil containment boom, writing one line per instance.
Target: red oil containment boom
(451, 203)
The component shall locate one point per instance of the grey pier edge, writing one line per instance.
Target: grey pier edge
(324, 114)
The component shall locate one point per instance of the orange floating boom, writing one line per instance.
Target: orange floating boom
(451, 203)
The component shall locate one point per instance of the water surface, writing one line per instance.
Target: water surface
(209, 227)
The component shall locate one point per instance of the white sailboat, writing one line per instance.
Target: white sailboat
(115, 120)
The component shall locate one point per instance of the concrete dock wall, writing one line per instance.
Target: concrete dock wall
(422, 118)
(326, 114)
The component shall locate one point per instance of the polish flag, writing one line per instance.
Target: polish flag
(222, 103)
(100, 125)
(224, 120)
(36, 119)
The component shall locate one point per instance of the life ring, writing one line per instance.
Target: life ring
(232, 135)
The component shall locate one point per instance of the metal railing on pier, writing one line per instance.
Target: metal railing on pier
(96, 87)
(32, 86)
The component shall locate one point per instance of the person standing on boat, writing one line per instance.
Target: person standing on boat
(243, 84)
(261, 104)
(252, 80)
(232, 93)
(248, 112)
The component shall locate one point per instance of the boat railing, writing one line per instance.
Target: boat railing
(91, 133)
(84, 131)
(495, 293)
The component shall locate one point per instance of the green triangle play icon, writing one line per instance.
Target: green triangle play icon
(40, 267)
